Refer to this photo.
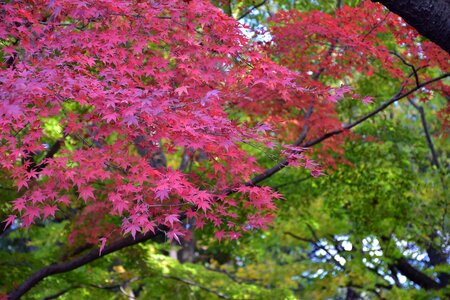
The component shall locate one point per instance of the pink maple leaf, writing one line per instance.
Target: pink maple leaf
(112, 117)
(49, 211)
(149, 226)
(368, 99)
(174, 235)
(172, 218)
(263, 128)
(102, 245)
(220, 234)
(86, 193)
(199, 224)
(162, 193)
(181, 90)
(9, 221)
(133, 228)
(204, 205)
(234, 235)
(120, 206)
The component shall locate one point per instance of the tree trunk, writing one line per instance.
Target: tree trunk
(431, 18)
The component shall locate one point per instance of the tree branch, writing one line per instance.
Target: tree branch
(316, 244)
(416, 77)
(76, 263)
(423, 119)
(189, 282)
(285, 162)
(251, 9)
(374, 112)
(97, 286)
(38, 167)
(229, 9)
(429, 17)
(416, 276)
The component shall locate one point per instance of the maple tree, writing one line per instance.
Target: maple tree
(134, 117)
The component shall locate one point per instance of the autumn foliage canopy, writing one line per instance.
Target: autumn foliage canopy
(108, 105)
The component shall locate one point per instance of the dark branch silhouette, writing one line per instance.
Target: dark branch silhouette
(251, 9)
(75, 263)
(423, 119)
(284, 163)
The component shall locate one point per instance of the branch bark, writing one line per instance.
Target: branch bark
(416, 276)
(401, 264)
(431, 18)
(76, 263)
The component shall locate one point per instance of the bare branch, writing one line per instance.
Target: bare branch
(423, 119)
(375, 26)
(409, 65)
(285, 162)
(190, 282)
(316, 243)
(251, 9)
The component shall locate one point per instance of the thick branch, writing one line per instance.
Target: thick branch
(431, 18)
(402, 265)
(76, 263)
(416, 276)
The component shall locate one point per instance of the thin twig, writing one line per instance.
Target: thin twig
(189, 282)
(284, 163)
(317, 244)
(374, 112)
(375, 26)
(251, 9)
(423, 119)
(409, 65)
